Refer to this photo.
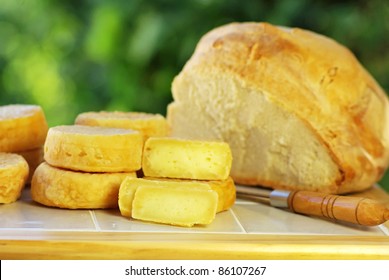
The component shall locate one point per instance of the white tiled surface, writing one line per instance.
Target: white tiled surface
(244, 218)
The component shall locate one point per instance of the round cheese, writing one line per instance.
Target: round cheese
(94, 149)
(62, 188)
(22, 127)
(148, 124)
(13, 176)
(33, 157)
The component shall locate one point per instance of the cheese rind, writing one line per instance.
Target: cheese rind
(62, 188)
(148, 124)
(176, 202)
(94, 149)
(186, 159)
(34, 158)
(13, 176)
(126, 195)
(22, 127)
(226, 191)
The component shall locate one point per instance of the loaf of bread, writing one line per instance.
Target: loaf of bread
(297, 109)
(94, 149)
(183, 203)
(186, 159)
(56, 187)
(13, 176)
(148, 124)
(22, 127)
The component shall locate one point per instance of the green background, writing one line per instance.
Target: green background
(75, 56)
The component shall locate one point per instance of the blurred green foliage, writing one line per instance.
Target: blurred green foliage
(75, 56)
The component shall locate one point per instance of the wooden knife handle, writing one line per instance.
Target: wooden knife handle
(357, 210)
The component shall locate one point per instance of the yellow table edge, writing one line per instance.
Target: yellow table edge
(60, 245)
(16, 244)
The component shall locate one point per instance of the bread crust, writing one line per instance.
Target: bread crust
(310, 76)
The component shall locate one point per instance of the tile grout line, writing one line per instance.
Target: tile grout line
(94, 220)
(384, 229)
(237, 220)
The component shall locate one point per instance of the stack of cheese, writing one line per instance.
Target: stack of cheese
(85, 166)
(186, 182)
(149, 125)
(86, 162)
(23, 130)
(186, 199)
(95, 164)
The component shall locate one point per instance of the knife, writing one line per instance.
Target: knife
(356, 210)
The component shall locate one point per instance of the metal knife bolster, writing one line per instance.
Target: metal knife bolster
(279, 198)
(276, 198)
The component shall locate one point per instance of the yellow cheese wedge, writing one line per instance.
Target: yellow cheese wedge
(34, 158)
(168, 202)
(126, 195)
(22, 127)
(186, 159)
(225, 189)
(63, 188)
(148, 124)
(13, 176)
(94, 149)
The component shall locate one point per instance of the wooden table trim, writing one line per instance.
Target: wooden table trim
(190, 247)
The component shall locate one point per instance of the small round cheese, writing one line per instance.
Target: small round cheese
(62, 188)
(148, 124)
(22, 127)
(33, 157)
(94, 149)
(13, 176)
